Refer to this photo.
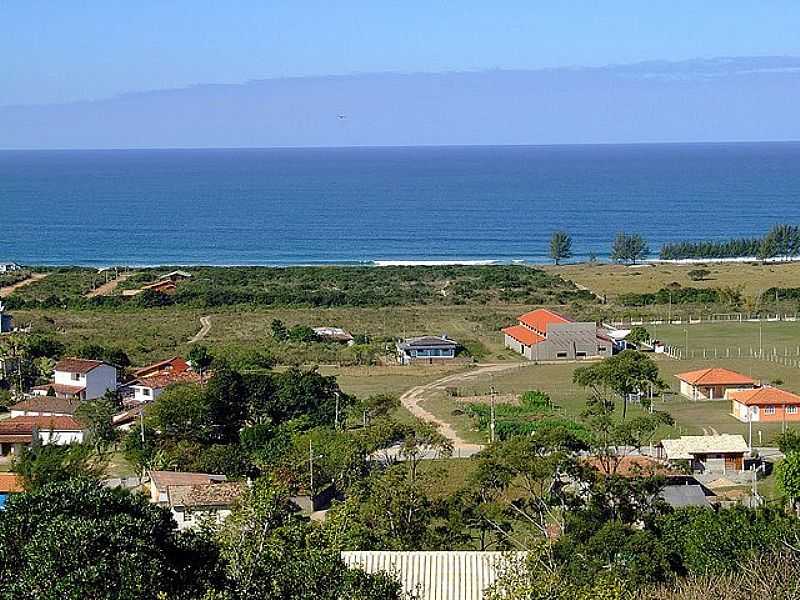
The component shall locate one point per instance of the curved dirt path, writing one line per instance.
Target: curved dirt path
(205, 327)
(5, 291)
(411, 399)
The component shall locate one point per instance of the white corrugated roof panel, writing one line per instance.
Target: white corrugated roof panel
(436, 575)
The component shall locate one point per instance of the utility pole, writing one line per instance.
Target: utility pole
(141, 425)
(311, 469)
(492, 416)
(760, 338)
(336, 417)
(686, 333)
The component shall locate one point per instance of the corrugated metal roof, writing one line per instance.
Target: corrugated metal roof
(435, 575)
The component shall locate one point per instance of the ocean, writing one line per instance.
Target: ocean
(383, 205)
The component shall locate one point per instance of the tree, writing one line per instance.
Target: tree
(698, 274)
(638, 335)
(113, 356)
(75, 540)
(181, 412)
(41, 465)
(269, 552)
(788, 479)
(201, 359)
(560, 246)
(375, 406)
(789, 441)
(279, 331)
(96, 415)
(629, 248)
(625, 374)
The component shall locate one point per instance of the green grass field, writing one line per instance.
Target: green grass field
(613, 280)
(690, 417)
(727, 339)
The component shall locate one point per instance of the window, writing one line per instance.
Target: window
(769, 410)
(580, 355)
(75, 376)
(145, 391)
(601, 349)
(792, 410)
(561, 355)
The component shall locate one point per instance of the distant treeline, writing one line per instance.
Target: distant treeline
(320, 287)
(780, 241)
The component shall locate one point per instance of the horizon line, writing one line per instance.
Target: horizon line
(405, 146)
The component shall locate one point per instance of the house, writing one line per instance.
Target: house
(165, 287)
(765, 404)
(706, 453)
(8, 267)
(10, 483)
(192, 505)
(545, 335)
(19, 432)
(176, 276)
(160, 481)
(334, 334)
(428, 348)
(712, 383)
(153, 379)
(441, 575)
(6, 322)
(680, 489)
(176, 364)
(45, 406)
(80, 378)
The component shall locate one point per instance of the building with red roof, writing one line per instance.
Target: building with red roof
(19, 432)
(713, 383)
(79, 379)
(153, 379)
(766, 404)
(542, 334)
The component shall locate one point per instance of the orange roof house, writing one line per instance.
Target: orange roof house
(542, 334)
(713, 383)
(767, 404)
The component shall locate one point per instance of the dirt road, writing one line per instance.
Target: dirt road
(108, 288)
(412, 398)
(205, 327)
(5, 291)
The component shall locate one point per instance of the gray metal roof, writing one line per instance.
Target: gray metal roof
(436, 575)
(680, 496)
(428, 341)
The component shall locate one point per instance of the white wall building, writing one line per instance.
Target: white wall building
(80, 378)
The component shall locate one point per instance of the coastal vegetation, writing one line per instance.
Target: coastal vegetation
(629, 248)
(781, 241)
(560, 246)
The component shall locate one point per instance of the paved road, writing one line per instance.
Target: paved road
(205, 327)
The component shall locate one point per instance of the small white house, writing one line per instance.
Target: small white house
(160, 481)
(7, 267)
(17, 433)
(80, 378)
(209, 503)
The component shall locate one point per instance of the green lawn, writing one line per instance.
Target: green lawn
(729, 339)
(690, 417)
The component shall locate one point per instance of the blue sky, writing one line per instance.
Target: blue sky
(54, 51)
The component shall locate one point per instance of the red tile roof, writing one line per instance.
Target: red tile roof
(523, 335)
(163, 479)
(10, 483)
(765, 395)
(24, 425)
(715, 376)
(48, 404)
(175, 364)
(77, 365)
(162, 380)
(541, 318)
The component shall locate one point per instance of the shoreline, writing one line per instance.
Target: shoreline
(471, 262)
